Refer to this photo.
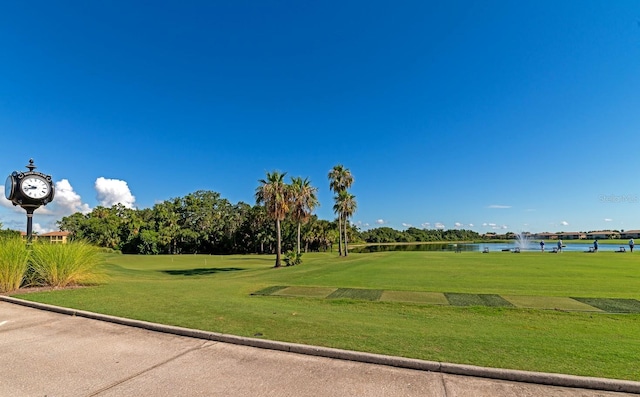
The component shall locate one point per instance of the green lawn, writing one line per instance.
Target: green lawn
(397, 303)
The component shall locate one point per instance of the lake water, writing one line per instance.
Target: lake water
(479, 247)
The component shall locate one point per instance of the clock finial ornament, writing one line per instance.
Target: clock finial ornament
(31, 166)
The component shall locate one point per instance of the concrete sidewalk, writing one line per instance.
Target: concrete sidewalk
(62, 352)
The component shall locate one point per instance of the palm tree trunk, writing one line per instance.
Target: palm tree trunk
(346, 221)
(340, 234)
(279, 243)
(298, 237)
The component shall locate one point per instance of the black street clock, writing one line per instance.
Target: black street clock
(30, 190)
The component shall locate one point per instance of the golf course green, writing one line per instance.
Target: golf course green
(572, 313)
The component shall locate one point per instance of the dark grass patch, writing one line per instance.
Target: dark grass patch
(201, 271)
(611, 305)
(270, 290)
(456, 299)
(309, 292)
(355, 293)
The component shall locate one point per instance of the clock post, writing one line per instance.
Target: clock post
(30, 190)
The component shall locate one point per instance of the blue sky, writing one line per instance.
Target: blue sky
(491, 116)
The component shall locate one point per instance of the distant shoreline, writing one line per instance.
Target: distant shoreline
(579, 241)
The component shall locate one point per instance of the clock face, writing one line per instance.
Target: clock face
(8, 187)
(35, 187)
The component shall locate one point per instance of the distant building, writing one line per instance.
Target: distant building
(572, 235)
(546, 236)
(51, 237)
(603, 234)
(55, 237)
(630, 234)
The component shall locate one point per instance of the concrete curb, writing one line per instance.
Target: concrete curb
(542, 378)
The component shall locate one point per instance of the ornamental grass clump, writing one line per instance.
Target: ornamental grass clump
(14, 259)
(62, 265)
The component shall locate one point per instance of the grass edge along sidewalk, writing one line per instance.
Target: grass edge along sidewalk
(213, 293)
(542, 378)
(582, 304)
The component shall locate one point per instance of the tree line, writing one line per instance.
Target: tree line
(414, 235)
(204, 222)
(281, 220)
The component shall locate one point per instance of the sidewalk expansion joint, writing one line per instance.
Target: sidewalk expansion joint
(153, 367)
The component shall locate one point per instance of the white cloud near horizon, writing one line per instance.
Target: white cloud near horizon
(380, 222)
(439, 225)
(499, 206)
(67, 200)
(564, 223)
(39, 229)
(6, 203)
(608, 219)
(113, 191)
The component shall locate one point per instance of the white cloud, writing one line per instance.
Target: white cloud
(608, 219)
(6, 203)
(471, 225)
(426, 225)
(361, 224)
(499, 206)
(39, 229)
(113, 191)
(406, 224)
(439, 225)
(492, 224)
(564, 223)
(380, 222)
(68, 201)
(458, 224)
(65, 203)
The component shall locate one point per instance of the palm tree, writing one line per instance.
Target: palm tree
(274, 193)
(340, 179)
(303, 202)
(345, 206)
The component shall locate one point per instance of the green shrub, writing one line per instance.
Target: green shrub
(61, 265)
(292, 258)
(14, 256)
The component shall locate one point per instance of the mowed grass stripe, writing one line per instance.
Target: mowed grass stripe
(550, 302)
(492, 300)
(608, 305)
(428, 298)
(270, 290)
(356, 293)
(613, 305)
(310, 292)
